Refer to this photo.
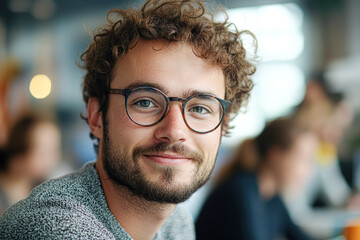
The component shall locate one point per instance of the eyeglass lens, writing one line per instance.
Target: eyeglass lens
(147, 106)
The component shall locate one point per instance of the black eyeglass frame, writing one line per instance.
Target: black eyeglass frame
(127, 92)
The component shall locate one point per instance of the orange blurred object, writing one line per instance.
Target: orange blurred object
(9, 70)
(352, 230)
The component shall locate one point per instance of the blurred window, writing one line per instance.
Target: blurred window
(279, 81)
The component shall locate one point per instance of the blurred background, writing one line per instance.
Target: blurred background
(41, 42)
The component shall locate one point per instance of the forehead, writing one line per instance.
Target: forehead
(173, 66)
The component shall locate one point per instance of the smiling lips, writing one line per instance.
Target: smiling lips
(171, 159)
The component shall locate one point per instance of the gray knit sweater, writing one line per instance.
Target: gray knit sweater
(74, 207)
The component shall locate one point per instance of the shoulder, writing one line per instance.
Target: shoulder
(243, 178)
(4, 203)
(233, 195)
(52, 211)
(180, 225)
(277, 203)
(50, 219)
(69, 186)
(238, 185)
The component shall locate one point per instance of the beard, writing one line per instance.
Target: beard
(125, 171)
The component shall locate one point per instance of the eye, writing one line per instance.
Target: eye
(199, 109)
(144, 103)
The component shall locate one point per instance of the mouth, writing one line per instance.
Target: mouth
(170, 159)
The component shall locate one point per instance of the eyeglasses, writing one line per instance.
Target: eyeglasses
(147, 106)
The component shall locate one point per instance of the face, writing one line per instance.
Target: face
(336, 124)
(45, 151)
(166, 162)
(295, 165)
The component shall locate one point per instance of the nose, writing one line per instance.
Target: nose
(172, 127)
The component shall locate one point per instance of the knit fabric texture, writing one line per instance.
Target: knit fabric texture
(74, 207)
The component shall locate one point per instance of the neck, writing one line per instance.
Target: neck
(132, 211)
(268, 186)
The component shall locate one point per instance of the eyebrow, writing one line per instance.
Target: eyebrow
(145, 84)
(188, 93)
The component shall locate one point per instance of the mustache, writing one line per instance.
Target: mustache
(162, 147)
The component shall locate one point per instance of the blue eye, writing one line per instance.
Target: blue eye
(198, 109)
(144, 103)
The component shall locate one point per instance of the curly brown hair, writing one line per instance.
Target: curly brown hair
(182, 20)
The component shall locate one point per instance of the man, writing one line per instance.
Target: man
(160, 86)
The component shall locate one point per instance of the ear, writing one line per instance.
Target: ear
(95, 118)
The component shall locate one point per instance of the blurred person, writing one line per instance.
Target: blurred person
(246, 203)
(160, 85)
(9, 70)
(31, 152)
(328, 115)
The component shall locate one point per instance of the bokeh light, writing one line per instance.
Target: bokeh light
(40, 86)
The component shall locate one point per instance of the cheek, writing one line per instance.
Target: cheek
(208, 144)
(296, 172)
(118, 124)
(304, 170)
(116, 115)
(126, 135)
